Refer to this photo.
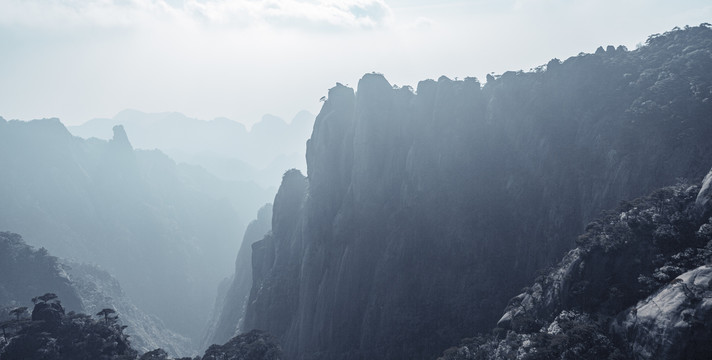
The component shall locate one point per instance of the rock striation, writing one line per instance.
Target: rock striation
(425, 211)
(230, 306)
(675, 322)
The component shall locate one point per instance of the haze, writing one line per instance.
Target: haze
(79, 60)
(356, 179)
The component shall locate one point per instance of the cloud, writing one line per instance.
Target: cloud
(307, 14)
(423, 23)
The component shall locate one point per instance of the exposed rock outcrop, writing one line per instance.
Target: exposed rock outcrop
(675, 323)
(229, 313)
(636, 287)
(276, 261)
(254, 345)
(423, 213)
(705, 195)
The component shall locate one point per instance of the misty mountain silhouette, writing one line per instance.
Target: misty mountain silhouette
(159, 227)
(222, 146)
(424, 212)
(455, 220)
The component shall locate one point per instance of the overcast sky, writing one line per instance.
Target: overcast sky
(241, 59)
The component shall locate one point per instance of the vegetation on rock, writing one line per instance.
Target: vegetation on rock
(424, 212)
(52, 334)
(592, 305)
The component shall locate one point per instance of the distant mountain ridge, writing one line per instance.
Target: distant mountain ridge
(159, 227)
(222, 146)
(424, 212)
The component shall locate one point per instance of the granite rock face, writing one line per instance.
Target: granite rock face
(230, 307)
(676, 322)
(276, 261)
(705, 195)
(424, 212)
(637, 286)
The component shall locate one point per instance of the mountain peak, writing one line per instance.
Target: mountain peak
(120, 136)
(373, 82)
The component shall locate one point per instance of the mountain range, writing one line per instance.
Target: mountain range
(224, 147)
(559, 213)
(157, 226)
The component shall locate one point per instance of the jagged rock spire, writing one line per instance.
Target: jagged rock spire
(120, 137)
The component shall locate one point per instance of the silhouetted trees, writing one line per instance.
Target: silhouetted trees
(18, 311)
(52, 334)
(106, 314)
(76, 336)
(44, 298)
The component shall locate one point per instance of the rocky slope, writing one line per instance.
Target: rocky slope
(638, 286)
(99, 290)
(135, 213)
(26, 273)
(424, 212)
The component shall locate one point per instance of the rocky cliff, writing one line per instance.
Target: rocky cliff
(424, 211)
(637, 286)
(228, 315)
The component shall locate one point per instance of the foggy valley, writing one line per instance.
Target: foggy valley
(204, 180)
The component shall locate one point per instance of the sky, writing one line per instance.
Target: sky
(241, 59)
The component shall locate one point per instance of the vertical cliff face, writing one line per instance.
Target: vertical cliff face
(423, 213)
(228, 317)
(276, 261)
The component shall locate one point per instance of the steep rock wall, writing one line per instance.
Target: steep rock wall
(423, 213)
(229, 313)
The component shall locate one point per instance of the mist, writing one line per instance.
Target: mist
(359, 179)
(244, 59)
(226, 148)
